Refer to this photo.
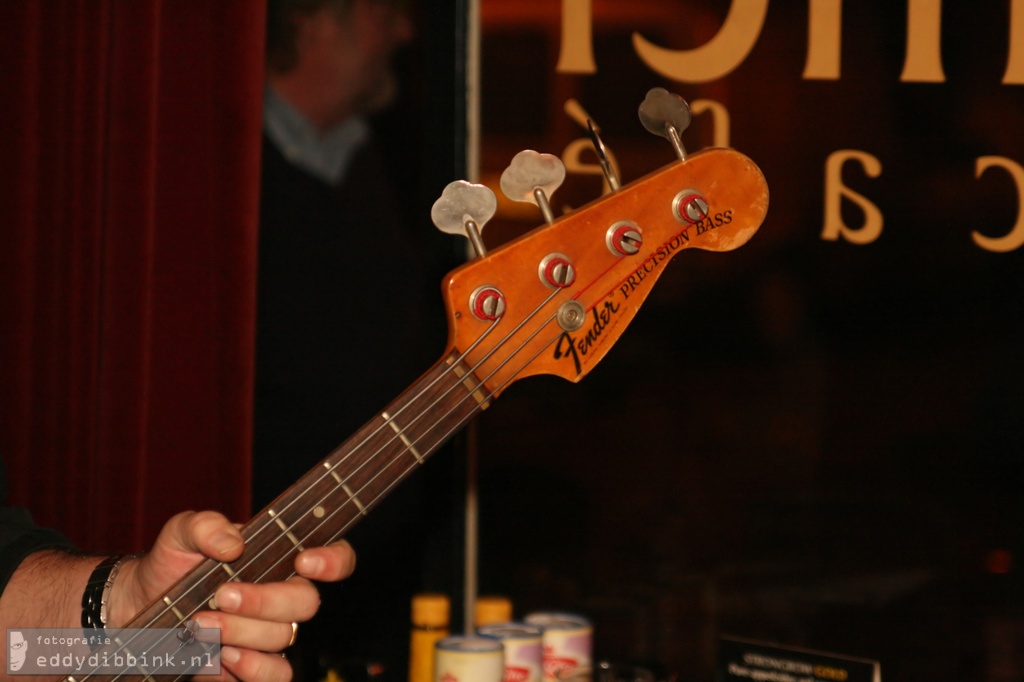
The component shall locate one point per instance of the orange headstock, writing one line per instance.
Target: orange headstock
(555, 300)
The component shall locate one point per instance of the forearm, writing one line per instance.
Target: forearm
(46, 591)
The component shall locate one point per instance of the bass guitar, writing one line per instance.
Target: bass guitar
(553, 301)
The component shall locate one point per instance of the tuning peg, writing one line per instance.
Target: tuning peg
(602, 156)
(464, 208)
(533, 177)
(666, 115)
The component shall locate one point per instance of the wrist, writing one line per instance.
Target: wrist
(104, 598)
(122, 607)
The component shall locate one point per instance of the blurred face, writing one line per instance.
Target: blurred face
(349, 56)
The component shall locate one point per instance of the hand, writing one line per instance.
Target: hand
(254, 620)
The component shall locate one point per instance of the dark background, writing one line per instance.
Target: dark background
(810, 442)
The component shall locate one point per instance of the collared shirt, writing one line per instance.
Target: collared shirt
(326, 156)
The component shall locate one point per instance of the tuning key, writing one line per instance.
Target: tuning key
(624, 238)
(690, 207)
(464, 208)
(533, 177)
(666, 115)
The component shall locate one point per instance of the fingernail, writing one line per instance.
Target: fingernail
(310, 565)
(207, 623)
(230, 654)
(224, 542)
(228, 598)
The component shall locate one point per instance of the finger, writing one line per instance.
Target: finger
(254, 666)
(205, 532)
(247, 633)
(183, 539)
(295, 599)
(212, 534)
(327, 564)
(224, 676)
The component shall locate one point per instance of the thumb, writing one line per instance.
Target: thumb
(185, 540)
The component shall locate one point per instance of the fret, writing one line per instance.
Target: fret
(285, 529)
(334, 495)
(355, 500)
(474, 389)
(401, 434)
(319, 511)
(174, 609)
(334, 474)
(326, 502)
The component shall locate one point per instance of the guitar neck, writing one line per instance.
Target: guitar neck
(333, 496)
(556, 298)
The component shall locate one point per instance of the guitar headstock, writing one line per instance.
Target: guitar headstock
(556, 299)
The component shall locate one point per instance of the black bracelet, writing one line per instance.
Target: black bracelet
(97, 590)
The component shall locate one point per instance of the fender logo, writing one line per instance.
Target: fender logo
(577, 348)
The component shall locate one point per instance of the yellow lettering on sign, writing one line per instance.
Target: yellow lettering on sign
(923, 63)
(719, 117)
(824, 38)
(716, 58)
(742, 27)
(835, 191)
(1015, 62)
(576, 54)
(1015, 238)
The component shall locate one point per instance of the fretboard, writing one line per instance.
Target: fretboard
(332, 497)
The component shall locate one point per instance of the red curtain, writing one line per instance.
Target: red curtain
(128, 210)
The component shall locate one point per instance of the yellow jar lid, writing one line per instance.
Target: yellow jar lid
(430, 610)
(490, 610)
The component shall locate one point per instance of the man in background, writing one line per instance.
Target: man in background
(349, 311)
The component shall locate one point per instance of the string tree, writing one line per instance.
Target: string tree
(463, 209)
(666, 115)
(602, 156)
(533, 177)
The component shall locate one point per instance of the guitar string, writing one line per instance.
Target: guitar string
(389, 421)
(285, 531)
(398, 433)
(447, 435)
(447, 371)
(382, 493)
(395, 433)
(257, 531)
(412, 444)
(444, 438)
